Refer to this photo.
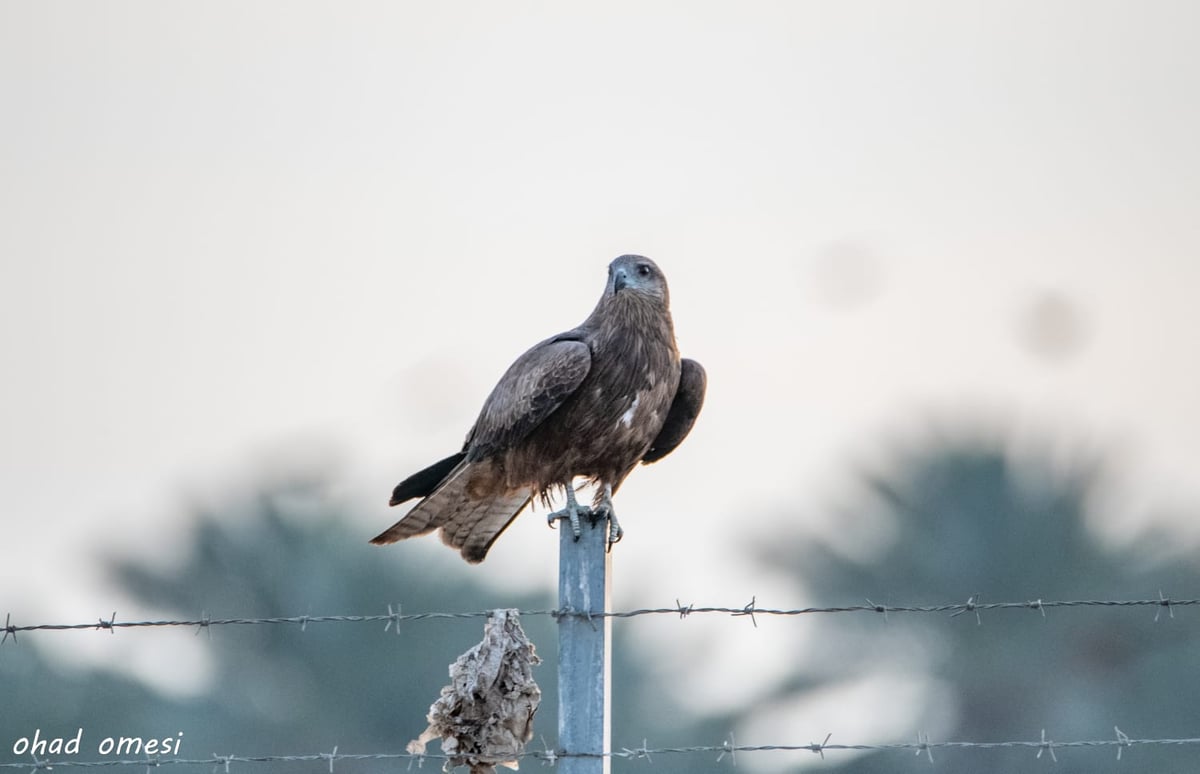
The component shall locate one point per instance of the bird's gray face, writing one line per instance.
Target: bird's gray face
(636, 274)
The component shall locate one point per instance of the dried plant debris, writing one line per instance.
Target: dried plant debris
(485, 716)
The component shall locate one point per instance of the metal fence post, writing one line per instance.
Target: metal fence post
(583, 649)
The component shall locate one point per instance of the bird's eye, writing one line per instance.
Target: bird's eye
(643, 270)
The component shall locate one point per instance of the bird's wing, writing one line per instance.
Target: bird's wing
(530, 390)
(424, 482)
(461, 492)
(685, 407)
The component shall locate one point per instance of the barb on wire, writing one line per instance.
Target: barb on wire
(750, 609)
(1122, 741)
(1164, 602)
(728, 747)
(549, 755)
(971, 606)
(1047, 747)
(331, 757)
(109, 624)
(203, 625)
(922, 746)
(882, 609)
(394, 617)
(638, 752)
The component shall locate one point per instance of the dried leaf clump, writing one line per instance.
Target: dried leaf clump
(485, 716)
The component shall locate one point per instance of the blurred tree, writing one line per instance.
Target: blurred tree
(278, 690)
(968, 519)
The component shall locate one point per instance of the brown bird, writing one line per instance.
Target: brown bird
(592, 402)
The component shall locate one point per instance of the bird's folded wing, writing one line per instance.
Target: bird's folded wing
(530, 390)
(689, 398)
(424, 482)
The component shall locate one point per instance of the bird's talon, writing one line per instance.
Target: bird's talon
(601, 511)
(573, 512)
(605, 511)
(615, 533)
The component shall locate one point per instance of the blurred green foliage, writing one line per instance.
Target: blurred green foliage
(970, 519)
(278, 690)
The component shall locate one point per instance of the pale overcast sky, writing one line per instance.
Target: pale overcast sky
(240, 236)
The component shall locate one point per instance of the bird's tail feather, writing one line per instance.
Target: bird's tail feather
(433, 511)
(467, 507)
(475, 525)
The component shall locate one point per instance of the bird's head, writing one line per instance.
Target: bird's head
(636, 274)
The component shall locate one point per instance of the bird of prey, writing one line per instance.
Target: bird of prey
(589, 403)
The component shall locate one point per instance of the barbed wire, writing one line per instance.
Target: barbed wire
(922, 746)
(394, 617)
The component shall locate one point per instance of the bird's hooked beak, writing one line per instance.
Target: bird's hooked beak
(620, 280)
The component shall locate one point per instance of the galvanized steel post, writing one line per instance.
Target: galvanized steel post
(583, 649)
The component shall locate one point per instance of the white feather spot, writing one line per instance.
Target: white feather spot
(627, 417)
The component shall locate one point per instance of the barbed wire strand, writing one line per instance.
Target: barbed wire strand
(921, 747)
(393, 618)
